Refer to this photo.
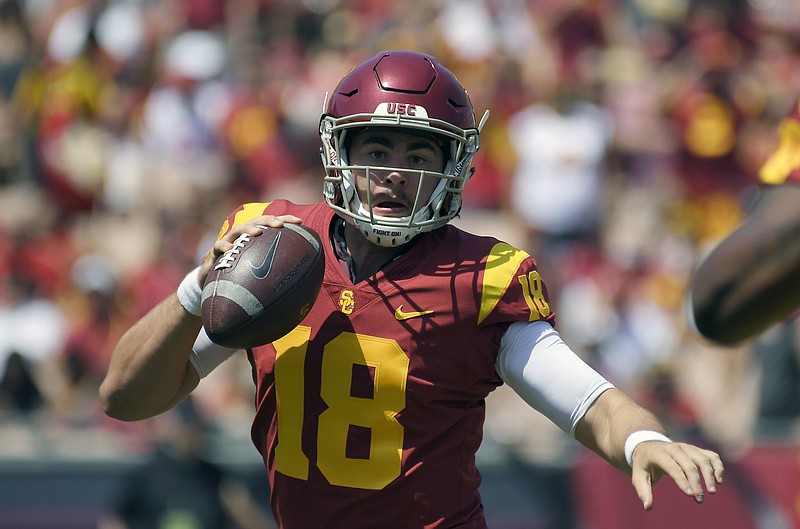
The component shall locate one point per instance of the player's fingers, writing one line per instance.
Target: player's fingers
(711, 467)
(701, 467)
(290, 219)
(680, 467)
(272, 221)
(689, 467)
(642, 482)
(220, 247)
(254, 227)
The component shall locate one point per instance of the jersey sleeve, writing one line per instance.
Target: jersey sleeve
(783, 165)
(512, 288)
(245, 213)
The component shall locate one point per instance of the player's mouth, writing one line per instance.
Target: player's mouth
(390, 207)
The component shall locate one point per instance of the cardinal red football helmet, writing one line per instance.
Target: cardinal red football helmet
(413, 92)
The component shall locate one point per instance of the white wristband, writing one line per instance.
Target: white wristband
(190, 294)
(641, 436)
(206, 356)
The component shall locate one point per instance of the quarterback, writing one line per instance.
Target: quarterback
(370, 412)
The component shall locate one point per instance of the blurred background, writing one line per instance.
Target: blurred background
(624, 141)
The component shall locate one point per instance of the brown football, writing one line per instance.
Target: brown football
(263, 287)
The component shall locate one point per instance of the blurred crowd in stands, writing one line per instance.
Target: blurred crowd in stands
(624, 140)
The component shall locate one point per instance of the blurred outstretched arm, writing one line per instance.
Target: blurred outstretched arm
(751, 280)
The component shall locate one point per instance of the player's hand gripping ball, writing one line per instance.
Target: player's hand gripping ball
(263, 287)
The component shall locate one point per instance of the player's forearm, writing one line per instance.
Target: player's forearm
(609, 422)
(149, 370)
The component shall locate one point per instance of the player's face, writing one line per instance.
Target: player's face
(393, 192)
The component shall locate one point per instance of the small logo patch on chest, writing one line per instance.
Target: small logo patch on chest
(346, 302)
(401, 316)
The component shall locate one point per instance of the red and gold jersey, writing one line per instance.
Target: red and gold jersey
(370, 412)
(784, 164)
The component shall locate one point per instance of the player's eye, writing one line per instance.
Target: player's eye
(377, 155)
(417, 159)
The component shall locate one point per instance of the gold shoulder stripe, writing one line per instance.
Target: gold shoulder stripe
(501, 268)
(248, 212)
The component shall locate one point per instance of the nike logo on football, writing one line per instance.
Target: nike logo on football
(400, 315)
(261, 271)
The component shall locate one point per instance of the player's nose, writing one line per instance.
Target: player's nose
(396, 178)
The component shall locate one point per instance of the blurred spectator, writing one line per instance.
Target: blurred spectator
(31, 323)
(178, 487)
(19, 391)
(94, 314)
(15, 46)
(776, 355)
(711, 103)
(559, 186)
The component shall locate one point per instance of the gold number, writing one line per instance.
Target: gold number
(289, 387)
(390, 367)
(389, 364)
(533, 292)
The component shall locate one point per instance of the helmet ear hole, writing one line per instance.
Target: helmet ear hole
(446, 203)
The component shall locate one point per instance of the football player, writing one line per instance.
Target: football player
(371, 411)
(751, 279)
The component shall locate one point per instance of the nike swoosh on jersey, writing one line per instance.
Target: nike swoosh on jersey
(261, 271)
(400, 315)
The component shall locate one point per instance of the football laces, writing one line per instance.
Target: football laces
(227, 259)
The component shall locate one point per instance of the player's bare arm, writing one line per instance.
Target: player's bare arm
(149, 371)
(548, 375)
(613, 417)
(750, 280)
